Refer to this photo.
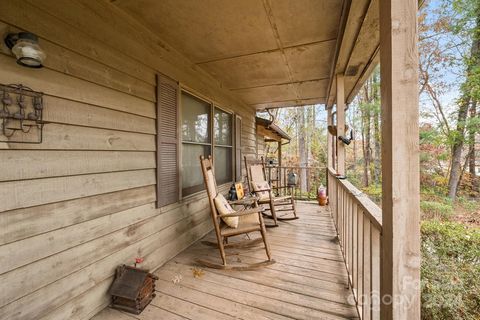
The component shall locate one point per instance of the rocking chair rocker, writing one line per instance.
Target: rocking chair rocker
(259, 186)
(249, 220)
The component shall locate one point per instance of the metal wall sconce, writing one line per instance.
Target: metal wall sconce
(22, 110)
(346, 140)
(24, 46)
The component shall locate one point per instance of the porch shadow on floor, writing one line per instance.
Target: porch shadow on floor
(309, 280)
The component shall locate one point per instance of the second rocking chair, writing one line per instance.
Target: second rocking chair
(281, 207)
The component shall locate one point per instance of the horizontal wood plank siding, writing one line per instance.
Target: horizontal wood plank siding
(84, 201)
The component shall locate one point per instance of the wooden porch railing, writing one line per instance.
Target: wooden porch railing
(308, 179)
(358, 221)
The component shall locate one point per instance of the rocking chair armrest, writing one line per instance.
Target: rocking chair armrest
(243, 213)
(261, 190)
(245, 201)
(282, 187)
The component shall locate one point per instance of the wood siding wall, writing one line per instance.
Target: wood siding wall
(83, 201)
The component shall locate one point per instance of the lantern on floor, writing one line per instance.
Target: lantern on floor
(133, 289)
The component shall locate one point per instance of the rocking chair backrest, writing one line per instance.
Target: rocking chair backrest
(210, 183)
(255, 172)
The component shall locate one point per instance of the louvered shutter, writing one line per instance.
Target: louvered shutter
(238, 148)
(168, 98)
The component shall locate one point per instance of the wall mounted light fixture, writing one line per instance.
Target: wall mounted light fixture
(24, 46)
(346, 140)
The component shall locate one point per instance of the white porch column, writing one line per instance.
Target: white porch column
(400, 257)
(329, 140)
(340, 124)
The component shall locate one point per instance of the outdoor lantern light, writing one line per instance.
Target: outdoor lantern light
(24, 46)
(345, 140)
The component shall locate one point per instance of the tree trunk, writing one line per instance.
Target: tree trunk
(472, 161)
(375, 99)
(456, 167)
(302, 150)
(368, 148)
(365, 120)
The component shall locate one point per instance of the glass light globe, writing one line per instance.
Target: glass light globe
(27, 51)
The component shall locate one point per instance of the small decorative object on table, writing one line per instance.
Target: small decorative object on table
(133, 289)
(239, 189)
(232, 193)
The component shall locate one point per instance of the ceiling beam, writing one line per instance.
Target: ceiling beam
(341, 30)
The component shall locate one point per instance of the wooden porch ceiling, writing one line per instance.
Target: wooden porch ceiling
(309, 280)
(272, 53)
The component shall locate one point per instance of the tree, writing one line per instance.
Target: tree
(469, 16)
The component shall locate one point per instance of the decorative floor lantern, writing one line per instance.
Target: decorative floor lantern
(133, 289)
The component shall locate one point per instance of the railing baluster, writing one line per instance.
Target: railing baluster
(360, 261)
(345, 231)
(354, 247)
(336, 203)
(350, 234)
(343, 221)
(375, 274)
(366, 269)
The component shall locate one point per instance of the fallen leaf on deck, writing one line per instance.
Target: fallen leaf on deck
(197, 272)
(177, 279)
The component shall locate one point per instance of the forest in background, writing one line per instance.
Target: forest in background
(449, 88)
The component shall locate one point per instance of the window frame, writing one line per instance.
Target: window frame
(200, 188)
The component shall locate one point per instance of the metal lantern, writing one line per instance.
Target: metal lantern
(292, 179)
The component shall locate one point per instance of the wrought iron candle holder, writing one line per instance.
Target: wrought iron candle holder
(22, 110)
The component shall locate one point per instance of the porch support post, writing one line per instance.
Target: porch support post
(340, 124)
(329, 140)
(400, 245)
(279, 153)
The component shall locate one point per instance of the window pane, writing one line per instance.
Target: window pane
(223, 164)
(222, 127)
(195, 119)
(192, 177)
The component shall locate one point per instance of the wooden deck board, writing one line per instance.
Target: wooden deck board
(307, 282)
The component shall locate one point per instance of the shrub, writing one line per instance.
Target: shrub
(436, 210)
(450, 271)
(374, 191)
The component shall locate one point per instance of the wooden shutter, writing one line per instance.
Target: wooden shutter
(168, 100)
(238, 148)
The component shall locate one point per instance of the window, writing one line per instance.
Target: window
(238, 148)
(196, 141)
(222, 158)
(197, 131)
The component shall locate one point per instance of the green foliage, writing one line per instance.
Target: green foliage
(450, 271)
(436, 210)
(468, 204)
(374, 191)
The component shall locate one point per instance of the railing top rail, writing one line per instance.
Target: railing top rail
(370, 208)
(294, 167)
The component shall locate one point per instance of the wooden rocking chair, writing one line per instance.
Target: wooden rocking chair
(249, 220)
(259, 186)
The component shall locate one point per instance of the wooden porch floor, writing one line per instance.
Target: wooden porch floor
(309, 280)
